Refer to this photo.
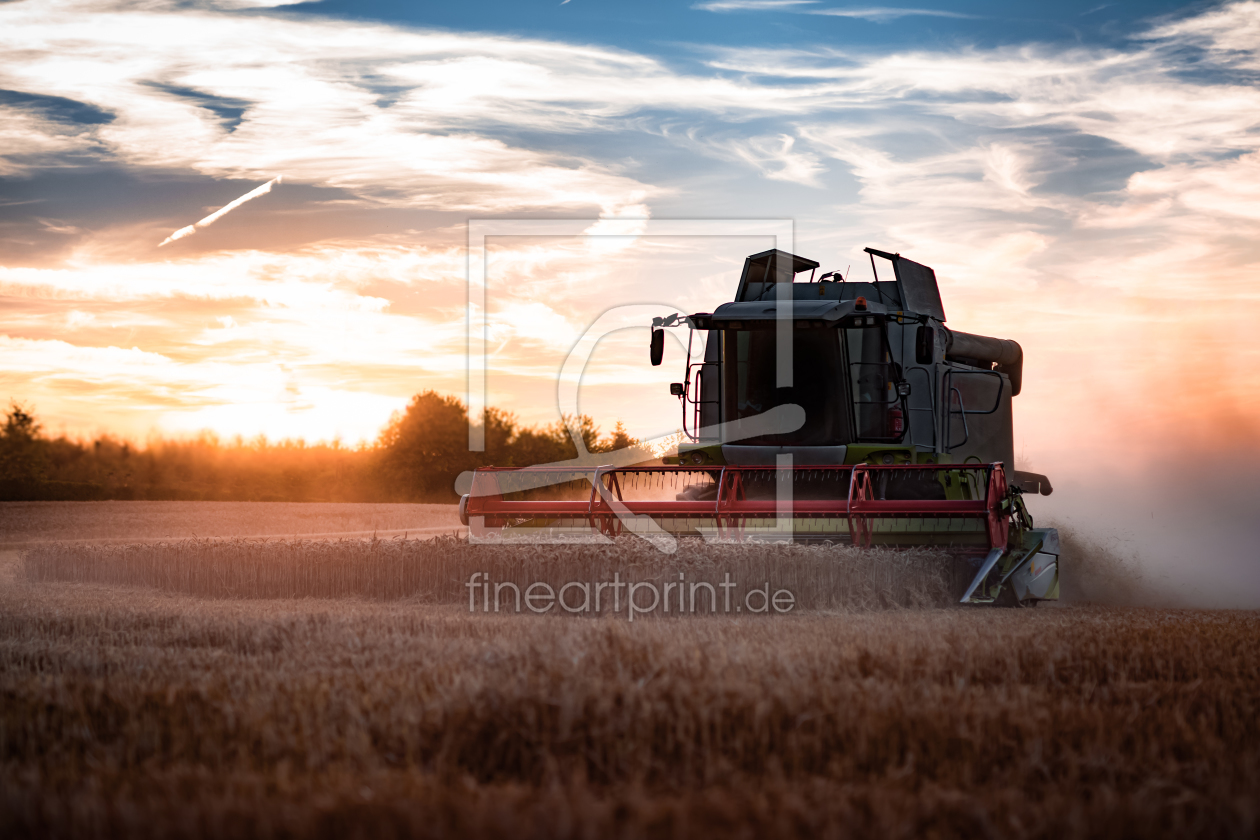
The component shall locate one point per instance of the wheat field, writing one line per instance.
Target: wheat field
(25, 524)
(439, 571)
(224, 688)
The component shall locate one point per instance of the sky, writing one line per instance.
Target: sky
(1084, 177)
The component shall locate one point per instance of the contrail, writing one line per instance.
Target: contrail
(221, 212)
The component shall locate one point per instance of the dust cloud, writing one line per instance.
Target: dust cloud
(1180, 533)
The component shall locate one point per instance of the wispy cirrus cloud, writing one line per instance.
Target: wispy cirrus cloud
(883, 14)
(777, 157)
(1229, 33)
(877, 14)
(752, 5)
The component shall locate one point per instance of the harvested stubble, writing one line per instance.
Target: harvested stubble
(133, 713)
(438, 571)
(22, 523)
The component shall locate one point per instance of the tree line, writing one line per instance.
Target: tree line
(416, 458)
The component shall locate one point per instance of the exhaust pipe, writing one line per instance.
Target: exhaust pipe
(1006, 354)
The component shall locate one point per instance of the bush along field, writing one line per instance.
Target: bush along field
(224, 688)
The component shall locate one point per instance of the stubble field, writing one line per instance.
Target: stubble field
(219, 687)
(24, 524)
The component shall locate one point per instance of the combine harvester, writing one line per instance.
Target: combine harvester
(823, 410)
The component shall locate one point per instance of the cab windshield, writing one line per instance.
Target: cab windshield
(842, 378)
(817, 384)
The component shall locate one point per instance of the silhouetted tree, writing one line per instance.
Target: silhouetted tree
(425, 447)
(22, 455)
(620, 439)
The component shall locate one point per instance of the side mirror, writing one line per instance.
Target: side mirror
(925, 345)
(903, 389)
(677, 389)
(658, 347)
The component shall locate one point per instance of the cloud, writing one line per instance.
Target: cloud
(255, 4)
(316, 111)
(1228, 188)
(883, 14)
(532, 321)
(27, 135)
(752, 5)
(221, 212)
(76, 319)
(877, 14)
(775, 156)
(1229, 32)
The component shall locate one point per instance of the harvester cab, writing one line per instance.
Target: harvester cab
(866, 360)
(823, 409)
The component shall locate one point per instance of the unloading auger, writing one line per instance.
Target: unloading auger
(823, 410)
